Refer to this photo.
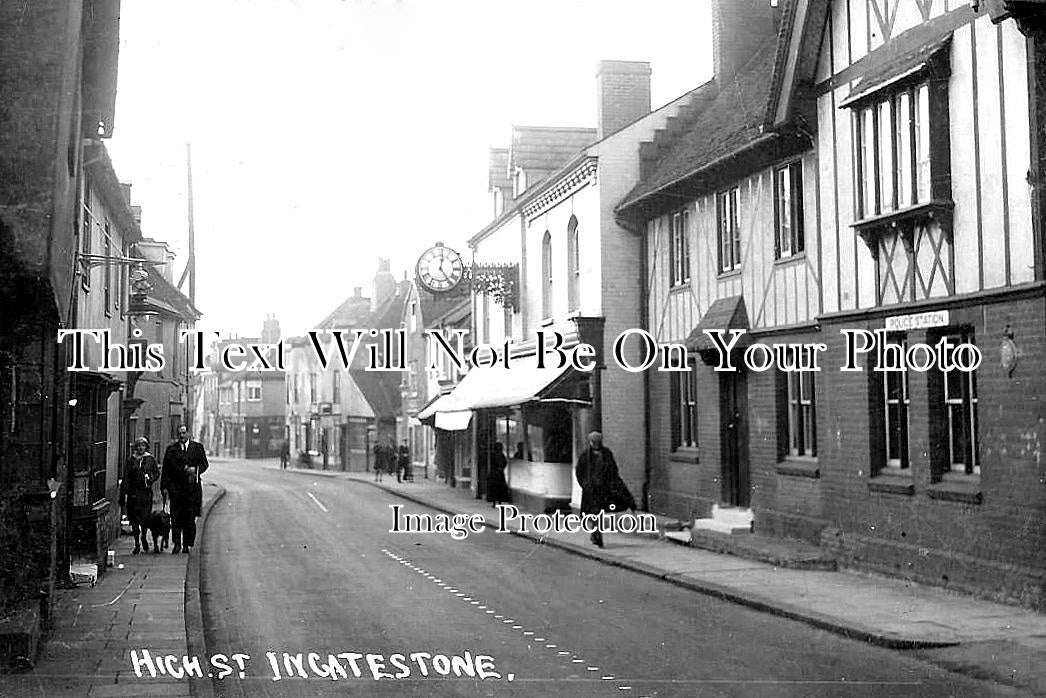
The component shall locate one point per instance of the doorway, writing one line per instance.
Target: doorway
(733, 416)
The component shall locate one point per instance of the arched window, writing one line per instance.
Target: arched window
(546, 276)
(573, 266)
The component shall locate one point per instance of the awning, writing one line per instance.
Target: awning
(723, 314)
(453, 421)
(893, 65)
(498, 386)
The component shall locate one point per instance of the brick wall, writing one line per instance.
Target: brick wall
(994, 547)
(622, 94)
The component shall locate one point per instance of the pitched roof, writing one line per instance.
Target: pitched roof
(381, 390)
(164, 290)
(546, 147)
(497, 175)
(352, 312)
(733, 120)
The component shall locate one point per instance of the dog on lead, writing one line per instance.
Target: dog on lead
(159, 525)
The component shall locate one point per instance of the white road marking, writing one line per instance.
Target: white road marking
(318, 502)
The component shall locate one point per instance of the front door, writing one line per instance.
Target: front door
(733, 412)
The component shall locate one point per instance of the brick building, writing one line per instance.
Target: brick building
(880, 172)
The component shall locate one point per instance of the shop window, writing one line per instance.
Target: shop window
(679, 248)
(509, 431)
(549, 435)
(729, 229)
(684, 408)
(788, 210)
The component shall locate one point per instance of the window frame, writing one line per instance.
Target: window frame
(679, 247)
(546, 276)
(573, 265)
(684, 410)
(792, 174)
(728, 230)
(942, 409)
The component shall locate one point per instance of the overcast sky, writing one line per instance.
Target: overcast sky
(327, 133)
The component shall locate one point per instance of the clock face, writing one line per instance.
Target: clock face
(440, 269)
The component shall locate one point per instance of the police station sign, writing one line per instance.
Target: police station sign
(917, 321)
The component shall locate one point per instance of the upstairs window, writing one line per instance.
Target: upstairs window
(788, 210)
(679, 248)
(729, 229)
(573, 265)
(894, 167)
(546, 276)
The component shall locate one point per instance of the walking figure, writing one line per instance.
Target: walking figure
(184, 462)
(602, 488)
(136, 491)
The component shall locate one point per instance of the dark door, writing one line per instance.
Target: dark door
(733, 412)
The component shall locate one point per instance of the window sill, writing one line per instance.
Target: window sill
(934, 208)
(797, 257)
(799, 466)
(965, 489)
(681, 286)
(729, 274)
(892, 483)
(685, 454)
(547, 322)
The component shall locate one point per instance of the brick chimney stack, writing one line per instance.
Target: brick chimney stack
(739, 29)
(622, 94)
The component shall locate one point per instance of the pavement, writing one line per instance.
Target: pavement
(965, 634)
(145, 600)
(153, 601)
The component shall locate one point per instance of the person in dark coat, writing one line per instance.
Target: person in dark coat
(403, 463)
(136, 490)
(285, 453)
(497, 487)
(381, 460)
(602, 488)
(184, 462)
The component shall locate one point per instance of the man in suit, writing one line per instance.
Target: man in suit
(184, 462)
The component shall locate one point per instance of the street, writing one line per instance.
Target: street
(300, 563)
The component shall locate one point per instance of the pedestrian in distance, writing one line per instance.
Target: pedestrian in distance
(403, 463)
(379, 460)
(602, 488)
(136, 490)
(497, 486)
(184, 462)
(285, 454)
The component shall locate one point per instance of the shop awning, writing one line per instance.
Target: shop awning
(498, 386)
(723, 314)
(453, 421)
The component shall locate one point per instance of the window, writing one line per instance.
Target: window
(684, 408)
(729, 229)
(336, 386)
(788, 210)
(85, 235)
(108, 271)
(546, 276)
(313, 393)
(953, 416)
(893, 152)
(509, 431)
(895, 401)
(679, 248)
(799, 421)
(297, 387)
(573, 265)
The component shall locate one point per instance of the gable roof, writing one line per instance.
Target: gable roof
(734, 120)
(546, 147)
(381, 390)
(497, 174)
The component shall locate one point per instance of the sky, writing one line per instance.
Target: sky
(328, 133)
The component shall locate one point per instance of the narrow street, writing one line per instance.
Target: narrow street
(297, 563)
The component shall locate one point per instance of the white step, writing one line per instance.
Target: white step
(729, 520)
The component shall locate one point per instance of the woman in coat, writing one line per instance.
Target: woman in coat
(136, 490)
(602, 488)
(497, 487)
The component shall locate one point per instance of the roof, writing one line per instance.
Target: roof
(733, 121)
(103, 178)
(498, 176)
(352, 312)
(381, 390)
(164, 290)
(546, 147)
